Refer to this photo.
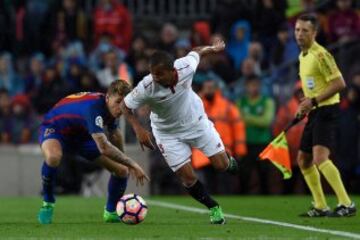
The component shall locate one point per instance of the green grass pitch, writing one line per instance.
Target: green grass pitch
(81, 218)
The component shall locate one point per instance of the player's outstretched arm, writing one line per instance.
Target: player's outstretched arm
(142, 134)
(112, 152)
(218, 46)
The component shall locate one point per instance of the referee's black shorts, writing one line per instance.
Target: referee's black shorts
(320, 128)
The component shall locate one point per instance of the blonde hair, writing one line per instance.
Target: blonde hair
(120, 87)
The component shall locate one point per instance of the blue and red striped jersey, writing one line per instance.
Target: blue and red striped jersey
(80, 114)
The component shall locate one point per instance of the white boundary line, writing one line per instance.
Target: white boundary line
(258, 220)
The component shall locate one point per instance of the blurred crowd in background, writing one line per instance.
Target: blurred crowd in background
(49, 49)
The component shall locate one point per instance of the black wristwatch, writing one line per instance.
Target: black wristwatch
(314, 102)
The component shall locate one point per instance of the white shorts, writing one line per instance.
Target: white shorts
(176, 147)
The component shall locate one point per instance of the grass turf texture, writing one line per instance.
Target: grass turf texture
(81, 218)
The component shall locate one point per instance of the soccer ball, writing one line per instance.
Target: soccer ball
(131, 209)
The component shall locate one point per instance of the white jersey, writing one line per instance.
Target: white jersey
(171, 111)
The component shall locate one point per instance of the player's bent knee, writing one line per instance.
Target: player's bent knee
(304, 161)
(300, 162)
(54, 159)
(303, 164)
(189, 182)
(319, 160)
(220, 161)
(187, 179)
(221, 165)
(186, 175)
(321, 154)
(52, 152)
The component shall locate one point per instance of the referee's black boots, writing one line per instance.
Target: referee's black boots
(343, 211)
(314, 212)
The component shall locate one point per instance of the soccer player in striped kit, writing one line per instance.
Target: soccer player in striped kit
(84, 124)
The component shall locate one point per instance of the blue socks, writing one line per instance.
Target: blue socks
(116, 188)
(48, 175)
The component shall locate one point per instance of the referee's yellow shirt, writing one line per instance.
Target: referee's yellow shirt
(317, 68)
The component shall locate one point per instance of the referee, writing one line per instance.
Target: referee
(321, 82)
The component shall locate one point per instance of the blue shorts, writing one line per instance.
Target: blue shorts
(86, 147)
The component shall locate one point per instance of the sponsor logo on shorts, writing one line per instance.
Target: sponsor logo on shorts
(99, 122)
(48, 131)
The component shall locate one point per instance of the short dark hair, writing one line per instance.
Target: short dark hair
(161, 58)
(311, 18)
(120, 87)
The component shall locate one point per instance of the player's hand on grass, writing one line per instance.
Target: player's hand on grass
(145, 138)
(137, 172)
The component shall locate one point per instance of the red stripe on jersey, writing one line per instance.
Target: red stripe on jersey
(78, 130)
(62, 116)
(147, 85)
(176, 76)
(74, 98)
(179, 69)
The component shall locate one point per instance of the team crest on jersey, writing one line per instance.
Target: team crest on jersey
(48, 131)
(310, 82)
(99, 122)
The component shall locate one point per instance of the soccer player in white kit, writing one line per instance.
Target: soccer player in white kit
(178, 120)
